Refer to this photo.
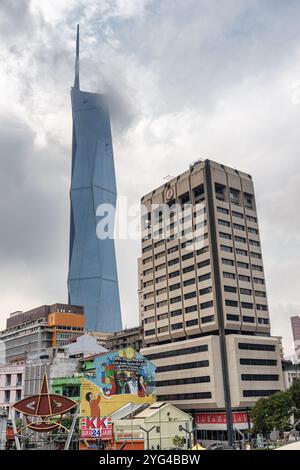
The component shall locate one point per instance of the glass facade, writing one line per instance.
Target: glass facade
(92, 279)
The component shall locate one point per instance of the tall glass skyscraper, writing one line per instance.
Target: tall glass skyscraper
(92, 279)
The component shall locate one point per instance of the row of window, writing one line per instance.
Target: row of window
(184, 381)
(260, 377)
(239, 215)
(185, 396)
(246, 305)
(183, 366)
(244, 291)
(247, 319)
(258, 393)
(178, 352)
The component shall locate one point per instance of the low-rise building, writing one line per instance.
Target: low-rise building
(291, 372)
(12, 380)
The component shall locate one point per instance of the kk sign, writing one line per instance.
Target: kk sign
(96, 428)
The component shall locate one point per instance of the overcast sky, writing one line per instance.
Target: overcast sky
(186, 79)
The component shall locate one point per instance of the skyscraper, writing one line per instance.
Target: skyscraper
(203, 301)
(295, 321)
(92, 279)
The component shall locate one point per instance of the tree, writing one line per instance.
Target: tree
(273, 412)
(295, 393)
(178, 441)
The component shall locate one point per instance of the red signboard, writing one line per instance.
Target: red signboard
(220, 418)
(96, 428)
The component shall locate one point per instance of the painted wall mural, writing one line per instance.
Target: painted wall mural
(117, 378)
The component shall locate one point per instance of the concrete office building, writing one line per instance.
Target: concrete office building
(34, 331)
(295, 321)
(92, 279)
(11, 386)
(203, 301)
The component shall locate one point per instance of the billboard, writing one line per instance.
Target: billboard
(118, 378)
(220, 418)
(96, 428)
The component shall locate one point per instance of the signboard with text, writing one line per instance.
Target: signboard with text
(220, 418)
(100, 428)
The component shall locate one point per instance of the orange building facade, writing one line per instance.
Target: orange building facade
(65, 326)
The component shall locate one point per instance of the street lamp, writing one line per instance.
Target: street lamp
(147, 431)
(187, 431)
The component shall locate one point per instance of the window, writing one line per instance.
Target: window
(229, 262)
(222, 210)
(254, 243)
(208, 319)
(241, 252)
(260, 377)
(248, 198)
(149, 295)
(146, 249)
(163, 303)
(188, 269)
(234, 196)
(162, 291)
(160, 279)
(230, 289)
(260, 293)
(147, 271)
(205, 249)
(226, 248)
(159, 255)
(148, 283)
(253, 230)
(173, 249)
(149, 307)
(184, 198)
(160, 266)
(255, 255)
(191, 323)
(175, 313)
(242, 265)
(178, 352)
(149, 332)
(244, 278)
(173, 261)
(6, 396)
(258, 393)
(231, 303)
(257, 362)
(19, 380)
(189, 295)
(228, 275)
(245, 291)
(192, 308)
(263, 321)
(237, 214)
(186, 380)
(204, 277)
(205, 305)
(224, 222)
(163, 316)
(263, 308)
(174, 274)
(255, 267)
(257, 280)
(247, 305)
(251, 218)
(225, 235)
(198, 193)
(239, 227)
(8, 380)
(256, 347)
(176, 326)
(240, 239)
(147, 260)
(71, 391)
(185, 396)
(206, 290)
(231, 317)
(187, 256)
(189, 282)
(175, 299)
(220, 191)
(149, 320)
(175, 286)
(206, 262)
(163, 329)
(249, 319)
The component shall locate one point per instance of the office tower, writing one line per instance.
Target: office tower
(296, 334)
(202, 292)
(92, 280)
(39, 329)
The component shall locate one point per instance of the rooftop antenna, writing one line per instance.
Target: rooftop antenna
(76, 81)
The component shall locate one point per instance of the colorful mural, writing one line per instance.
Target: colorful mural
(117, 378)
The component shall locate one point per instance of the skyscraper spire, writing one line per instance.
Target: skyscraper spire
(76, 81)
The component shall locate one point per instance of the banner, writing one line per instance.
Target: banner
(96, 428)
